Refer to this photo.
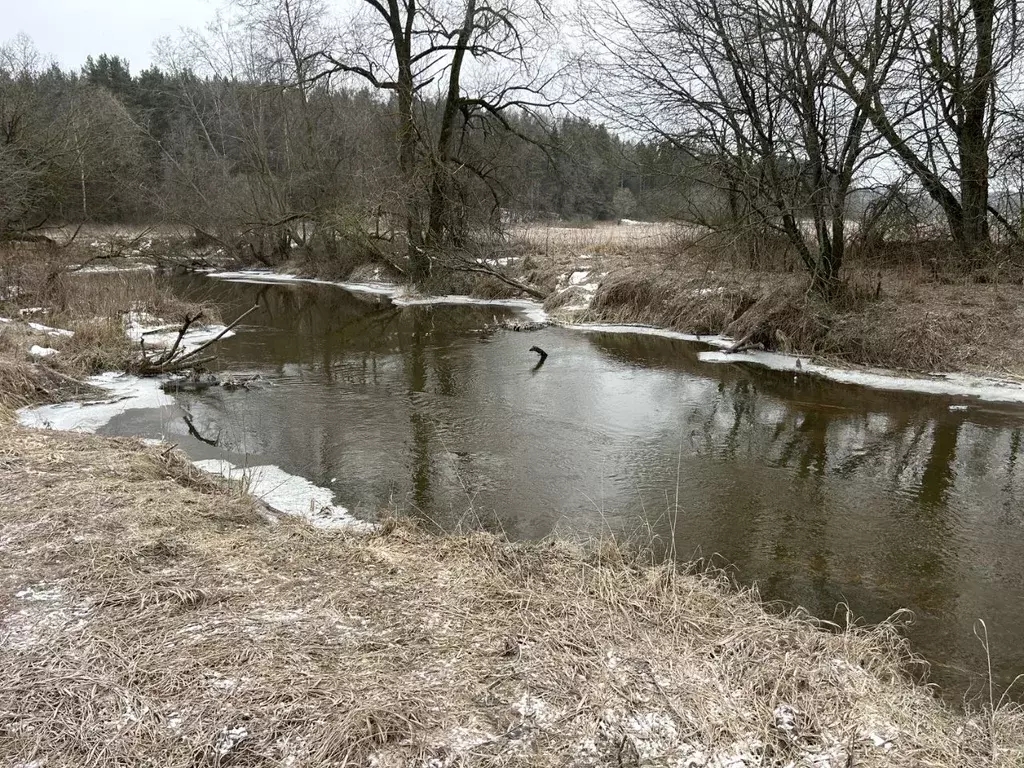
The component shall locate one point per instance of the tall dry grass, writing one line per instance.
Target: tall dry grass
(38, 284)
(150, 617)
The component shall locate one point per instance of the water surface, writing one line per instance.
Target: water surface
(822, 494)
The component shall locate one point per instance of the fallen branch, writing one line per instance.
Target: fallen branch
(744, 344)
(171, 362)
(219, 336)
(177, 342)
(484, 269)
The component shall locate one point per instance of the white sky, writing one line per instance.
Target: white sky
(69, 30)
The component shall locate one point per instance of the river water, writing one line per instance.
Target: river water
(822, 494)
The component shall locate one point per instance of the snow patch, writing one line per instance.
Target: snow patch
(948, 384)
(286, 493)
(229, 738)
(531, 309)
(579, 277)
(50, 331)
(153, 334)
(706, 291)
(108, 268)
(126, 393)
(647, 330)
(504, 261)
(584, 287)
(257, 276)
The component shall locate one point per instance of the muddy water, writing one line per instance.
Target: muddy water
(822, 494)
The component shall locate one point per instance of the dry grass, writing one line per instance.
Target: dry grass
(906, 317)
(601, 238)
(150, 617)
(34, 275)
(36, 280)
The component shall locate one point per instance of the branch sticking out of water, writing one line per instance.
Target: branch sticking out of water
(543, 356)
(171, 362)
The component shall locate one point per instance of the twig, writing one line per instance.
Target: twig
(177, 342)
(218, 337)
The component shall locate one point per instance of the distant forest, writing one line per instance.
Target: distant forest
(106, 145)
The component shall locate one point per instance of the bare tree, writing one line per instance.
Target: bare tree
(945, 93)
(748, 88)
(426, 54)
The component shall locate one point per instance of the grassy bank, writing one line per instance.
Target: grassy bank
(77, 320)
(910, 316)
(153, 617)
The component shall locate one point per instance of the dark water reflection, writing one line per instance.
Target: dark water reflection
(822, 494)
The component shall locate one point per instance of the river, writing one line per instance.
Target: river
(824, 495)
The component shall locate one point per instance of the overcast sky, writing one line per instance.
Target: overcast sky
(69, 30)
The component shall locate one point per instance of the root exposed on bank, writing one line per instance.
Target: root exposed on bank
(151, 617)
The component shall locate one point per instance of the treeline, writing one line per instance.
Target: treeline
(228, 154)
(790, 126)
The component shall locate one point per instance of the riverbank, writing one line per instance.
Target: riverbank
(903, 311)
(909, 316)
(905, 318)
(152, 615)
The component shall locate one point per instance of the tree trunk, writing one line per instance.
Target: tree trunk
(441, 204)
(419, 262)
(973, 144)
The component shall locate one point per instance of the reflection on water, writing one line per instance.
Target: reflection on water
(820, 493)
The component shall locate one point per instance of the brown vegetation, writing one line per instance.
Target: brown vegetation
(38, 283)
(151, 616)
(919, 314)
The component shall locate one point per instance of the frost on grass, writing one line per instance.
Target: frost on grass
(38, 612)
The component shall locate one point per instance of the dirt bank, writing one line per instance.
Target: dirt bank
(151, 616)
